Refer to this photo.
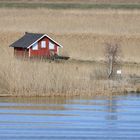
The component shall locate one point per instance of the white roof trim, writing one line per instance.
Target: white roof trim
(45, 35)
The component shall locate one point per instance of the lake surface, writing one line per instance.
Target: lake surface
(99, 118)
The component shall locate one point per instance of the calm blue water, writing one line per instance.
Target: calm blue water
(100, 118)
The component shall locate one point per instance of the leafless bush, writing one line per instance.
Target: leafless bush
(112, 53)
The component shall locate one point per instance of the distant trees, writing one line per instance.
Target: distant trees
(112, 53)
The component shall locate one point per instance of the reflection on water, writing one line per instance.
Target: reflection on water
(116, 118)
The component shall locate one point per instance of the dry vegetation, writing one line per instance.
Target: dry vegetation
(83, 35)
(41, 78)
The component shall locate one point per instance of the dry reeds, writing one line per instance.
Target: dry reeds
(44, 78)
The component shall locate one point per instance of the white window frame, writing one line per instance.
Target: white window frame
(51, 46)
(43, 44)
(35, 46)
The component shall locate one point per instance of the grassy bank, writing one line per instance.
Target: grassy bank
(130, 6)
(45, 78)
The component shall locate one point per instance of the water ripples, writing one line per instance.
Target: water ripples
(116, 118)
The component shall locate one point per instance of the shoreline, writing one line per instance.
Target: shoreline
(103, 92)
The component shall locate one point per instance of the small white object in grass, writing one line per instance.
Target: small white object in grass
(119, 71)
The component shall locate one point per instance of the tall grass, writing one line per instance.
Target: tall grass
(39, 78)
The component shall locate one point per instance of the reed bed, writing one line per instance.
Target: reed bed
(39, 78)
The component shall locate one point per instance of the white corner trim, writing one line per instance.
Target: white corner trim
(45, 35)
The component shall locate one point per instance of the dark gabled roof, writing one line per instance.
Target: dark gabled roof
(26, 40)
(30, 38)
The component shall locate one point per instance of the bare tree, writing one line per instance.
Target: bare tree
(112, 51)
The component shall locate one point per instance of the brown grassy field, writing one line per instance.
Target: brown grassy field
(83, 35)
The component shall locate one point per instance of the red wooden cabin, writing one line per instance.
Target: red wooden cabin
(32, 45)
